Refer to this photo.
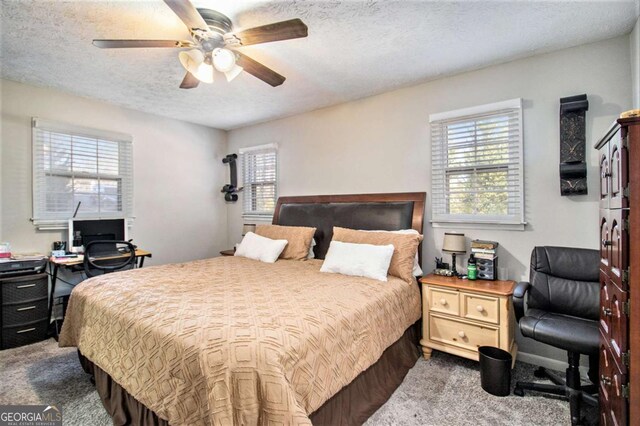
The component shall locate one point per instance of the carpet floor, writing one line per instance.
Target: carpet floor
(442, 391)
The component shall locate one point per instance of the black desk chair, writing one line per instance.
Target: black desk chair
(104, 256)
(563, 308)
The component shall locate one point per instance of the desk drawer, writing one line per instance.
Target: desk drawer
(24, 312)
(480, 308)
(445, 301)
(24, 289)
(464, 335)
(24, 334)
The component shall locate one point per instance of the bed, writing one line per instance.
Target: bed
(231, 340)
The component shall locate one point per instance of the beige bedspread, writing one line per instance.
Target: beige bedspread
(233, 340)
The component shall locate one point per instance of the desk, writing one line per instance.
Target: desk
(75, 264)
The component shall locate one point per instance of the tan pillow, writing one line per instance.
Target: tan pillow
(405, 247)
(299, 238)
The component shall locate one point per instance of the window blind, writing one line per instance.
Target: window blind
(477, 173)
(260, 180)
(73, 164)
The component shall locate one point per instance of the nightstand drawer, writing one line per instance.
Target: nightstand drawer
(25, 312)
(24, 289)
(464, 335)
(445, 301)
(480, 308)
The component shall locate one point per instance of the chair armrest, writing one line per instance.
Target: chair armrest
(518, 298)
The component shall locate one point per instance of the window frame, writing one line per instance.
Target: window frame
(441, 170)
(46, 220)
(247, 184)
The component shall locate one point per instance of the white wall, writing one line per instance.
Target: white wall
(381, 144)
(635, 63)
(178, 173)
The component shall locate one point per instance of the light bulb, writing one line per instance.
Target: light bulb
(195, 62)
(224, 60)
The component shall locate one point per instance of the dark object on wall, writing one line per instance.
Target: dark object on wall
(573, 168)
(230, 190)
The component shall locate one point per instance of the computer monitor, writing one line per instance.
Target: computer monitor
(98, 229)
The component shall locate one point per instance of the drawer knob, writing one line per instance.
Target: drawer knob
(443, 301)
(607, 243)
(461, 334)
(479, 308)
(605, 380)
(606, 311)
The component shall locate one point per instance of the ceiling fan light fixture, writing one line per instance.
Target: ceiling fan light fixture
(224, 60)
(195, 62)
(235, 71)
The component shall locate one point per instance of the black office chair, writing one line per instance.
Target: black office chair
(563, 304)
(105, 256)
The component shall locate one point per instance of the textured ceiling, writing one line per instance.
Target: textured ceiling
(355, 48)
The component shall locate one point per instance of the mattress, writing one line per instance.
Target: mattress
(233, 340)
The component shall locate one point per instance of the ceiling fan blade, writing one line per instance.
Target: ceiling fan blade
(188, 14)
(189, 81)
(284, 30)
(260, 71)
(116, 44)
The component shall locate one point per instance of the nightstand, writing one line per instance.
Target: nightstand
(229, 252)
(459, 316)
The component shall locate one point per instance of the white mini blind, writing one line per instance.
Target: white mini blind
(477, 171)
(73, 164)
(260, 180)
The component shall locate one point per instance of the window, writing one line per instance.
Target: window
(477, 174)
(74, 165)
(260, 180)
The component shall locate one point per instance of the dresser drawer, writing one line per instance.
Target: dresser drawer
(464, 335)
(24, 334)
(445, 301)
(24, 289)
(24, 312)
(614, 407)
(481, 308)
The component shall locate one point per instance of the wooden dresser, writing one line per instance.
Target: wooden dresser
(619, 383)
(459, 316)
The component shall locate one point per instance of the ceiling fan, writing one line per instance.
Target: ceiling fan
(213, 45)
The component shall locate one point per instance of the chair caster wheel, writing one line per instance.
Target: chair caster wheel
(539, 373)
(518, 392)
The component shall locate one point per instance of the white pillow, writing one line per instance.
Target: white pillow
(311, 254)
(260, 248)
(360, 260)
(417, 270)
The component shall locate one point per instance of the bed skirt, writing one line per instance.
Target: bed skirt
(352, 405)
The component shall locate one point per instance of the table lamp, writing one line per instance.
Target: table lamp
(454, 243)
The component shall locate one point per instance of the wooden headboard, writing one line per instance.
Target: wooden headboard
(388, 212)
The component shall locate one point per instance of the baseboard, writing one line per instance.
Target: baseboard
(550, 363)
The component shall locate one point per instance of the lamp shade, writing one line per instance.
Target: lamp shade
(454, 243)
(197, 64)
(248, 227)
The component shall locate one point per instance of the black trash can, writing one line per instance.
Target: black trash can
(495, 370)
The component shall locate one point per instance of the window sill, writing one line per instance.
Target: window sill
(479, 225)
(63, 224)
(267, 217)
